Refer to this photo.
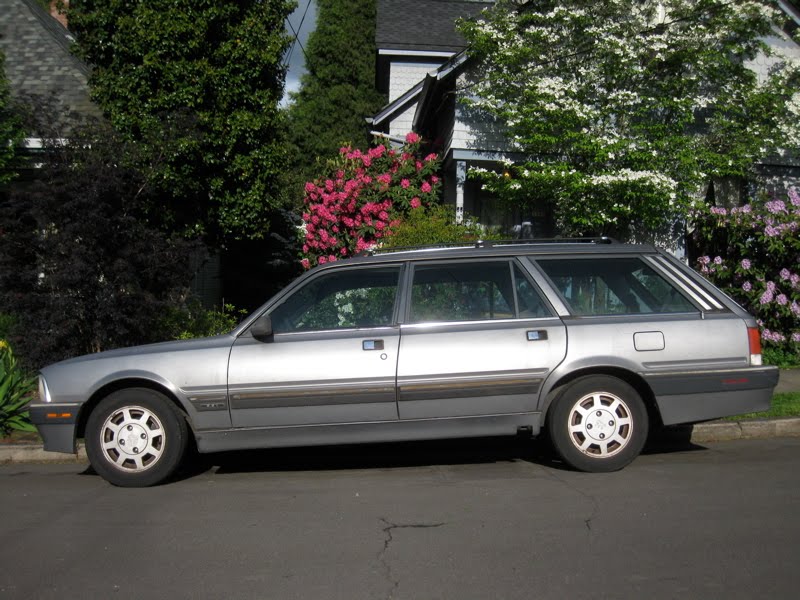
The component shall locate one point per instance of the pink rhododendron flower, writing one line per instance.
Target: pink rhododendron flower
(350, 211)
(306, 263)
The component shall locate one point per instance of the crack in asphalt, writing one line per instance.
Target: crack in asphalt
(390, 527)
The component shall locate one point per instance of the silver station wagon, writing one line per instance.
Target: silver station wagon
(592, 342)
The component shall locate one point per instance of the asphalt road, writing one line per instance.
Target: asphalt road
(477, 519)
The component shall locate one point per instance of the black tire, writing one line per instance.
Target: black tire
(156, 436)
(598, 424)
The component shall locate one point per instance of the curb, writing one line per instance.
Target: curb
(756, 429)
(11, 454)
(717, 431)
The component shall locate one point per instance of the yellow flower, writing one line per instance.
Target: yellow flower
(3, 344)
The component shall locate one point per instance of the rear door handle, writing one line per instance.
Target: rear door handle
(535, 336)
(372, 345)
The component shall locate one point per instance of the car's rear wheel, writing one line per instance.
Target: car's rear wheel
(136, 437)
(598, 424)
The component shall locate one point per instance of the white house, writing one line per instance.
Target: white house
(421, 61)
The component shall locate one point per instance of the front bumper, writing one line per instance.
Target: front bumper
(57, 424)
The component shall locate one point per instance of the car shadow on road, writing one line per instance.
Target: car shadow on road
(675, 438)
(388, 455)
(394, 455)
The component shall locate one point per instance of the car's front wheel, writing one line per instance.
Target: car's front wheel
(136, 437)
(598, 424)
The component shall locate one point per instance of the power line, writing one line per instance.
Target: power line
(296, 40)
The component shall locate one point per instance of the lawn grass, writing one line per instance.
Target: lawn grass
(783, 405)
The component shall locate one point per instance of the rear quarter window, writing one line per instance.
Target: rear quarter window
(613, 286)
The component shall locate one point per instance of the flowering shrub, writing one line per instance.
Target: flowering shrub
(618, 106)
(753, 253)
(365, 196)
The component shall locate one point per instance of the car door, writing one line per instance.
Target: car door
(478, 339)
(332, 357)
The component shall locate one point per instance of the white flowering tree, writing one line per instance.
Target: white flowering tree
(626, 108)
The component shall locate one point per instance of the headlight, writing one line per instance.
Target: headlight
(44, 391)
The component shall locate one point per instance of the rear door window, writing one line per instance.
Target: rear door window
(473, 291)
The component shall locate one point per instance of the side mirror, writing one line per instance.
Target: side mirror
(262, 328)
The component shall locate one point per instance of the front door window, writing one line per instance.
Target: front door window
(353, 299)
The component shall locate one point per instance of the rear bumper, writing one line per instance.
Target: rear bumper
(57, 424)
(690, 397)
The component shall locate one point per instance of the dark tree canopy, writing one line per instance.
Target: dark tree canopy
(10, 127)
(338, 91)
(80, 268)
(198, 82)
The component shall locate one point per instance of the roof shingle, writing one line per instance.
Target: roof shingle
(423, 24)
(38, 60)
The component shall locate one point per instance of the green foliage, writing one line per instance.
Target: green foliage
(81, 269)
(194, 321)
(435, 224)
(780, 357)
(197, 82)
(11, 131)
(16, 389)
(753, 253)
(626, 108)
(7, 323)
(338, 90)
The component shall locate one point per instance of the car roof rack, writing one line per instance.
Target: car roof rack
(493, 243)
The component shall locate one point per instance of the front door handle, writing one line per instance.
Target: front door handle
(372, 345)
(535, 336)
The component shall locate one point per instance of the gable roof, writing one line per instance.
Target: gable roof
(38, 59)
(423, 25)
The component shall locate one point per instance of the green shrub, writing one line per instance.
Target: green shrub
(16, 389)
(7, 322)
(435, 224)
(194, 321)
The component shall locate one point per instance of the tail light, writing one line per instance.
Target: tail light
(754, 339)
